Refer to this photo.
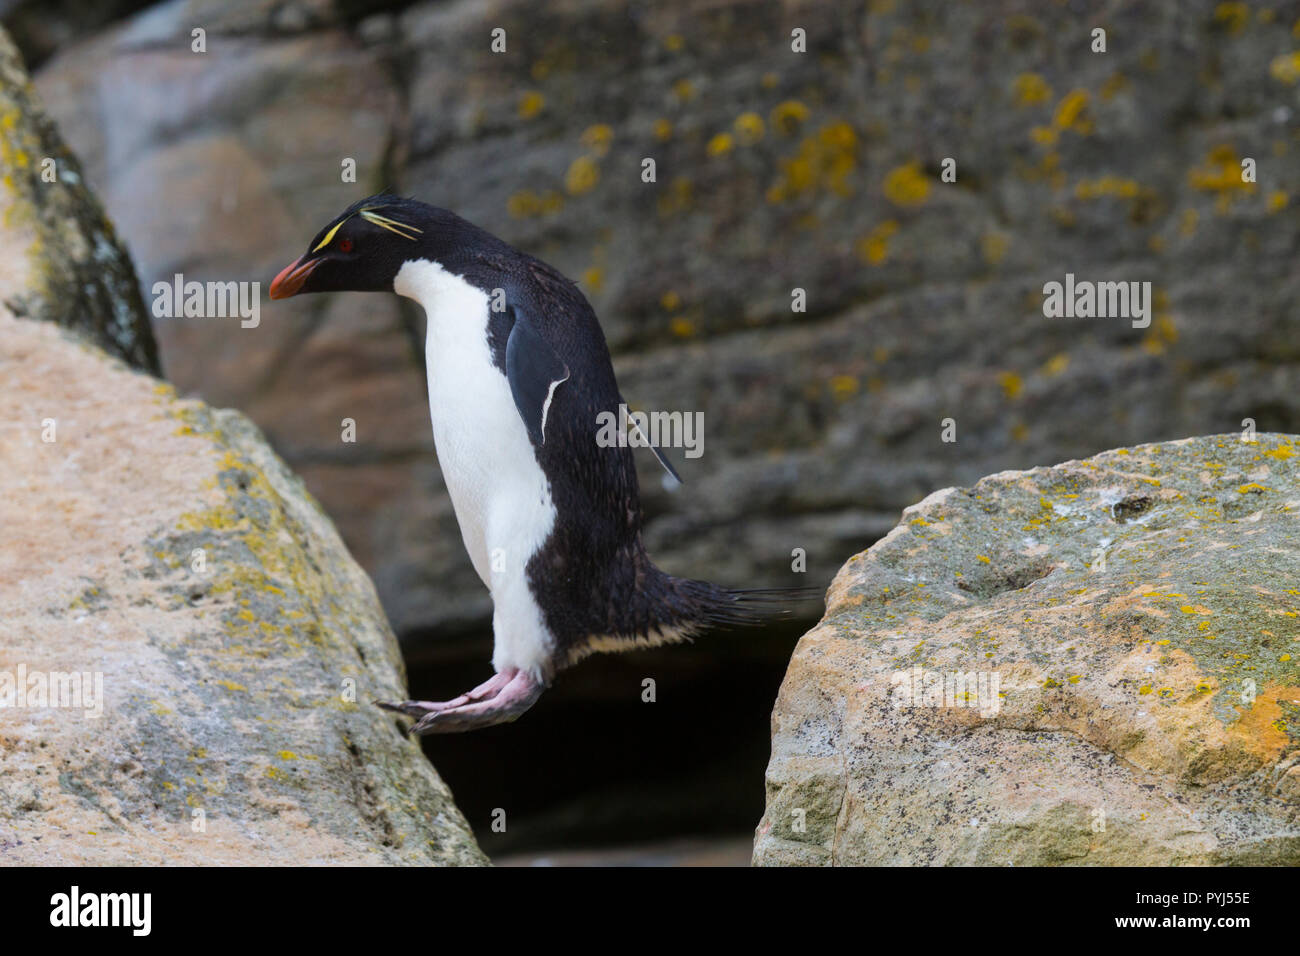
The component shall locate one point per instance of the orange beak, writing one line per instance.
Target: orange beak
(289, 281)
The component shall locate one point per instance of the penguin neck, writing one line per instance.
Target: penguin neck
(455, 307)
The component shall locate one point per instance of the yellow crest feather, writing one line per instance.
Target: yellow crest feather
(402, 229)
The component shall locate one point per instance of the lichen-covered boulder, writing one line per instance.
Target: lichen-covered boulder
(218, 646)
(1093, 663)
(64, 262)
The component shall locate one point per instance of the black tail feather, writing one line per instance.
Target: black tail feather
(713, 606)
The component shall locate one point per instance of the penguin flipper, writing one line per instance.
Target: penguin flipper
(534, 371)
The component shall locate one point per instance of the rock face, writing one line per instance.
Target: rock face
(1128, 628)
(64, 262)
(774, 171)
(160, 548)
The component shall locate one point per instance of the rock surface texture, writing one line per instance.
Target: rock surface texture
(161, 547)
(1141, 613)
(774, 171)
(64, 262)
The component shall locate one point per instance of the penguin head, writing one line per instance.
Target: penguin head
(362, 249)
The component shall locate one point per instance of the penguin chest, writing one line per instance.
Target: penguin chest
(500, 494)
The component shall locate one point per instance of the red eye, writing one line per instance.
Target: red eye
(345, 245)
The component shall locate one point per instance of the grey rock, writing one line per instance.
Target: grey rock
(1125, 629)
(68, 264)
(160, 548)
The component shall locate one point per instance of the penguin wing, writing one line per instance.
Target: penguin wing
(534, 371)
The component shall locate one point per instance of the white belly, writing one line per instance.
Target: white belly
(500, 494)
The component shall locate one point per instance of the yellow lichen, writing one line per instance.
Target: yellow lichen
(582, 176)
(873, 248)
(720, 144)
(530, 104)
(1012, 384)
(1057, 364)
(907, 185)
(597, 138)
(844, 386)
(1069, 112)
(787, 116)
(993, 246)
(1220, 173)
(749, 128)
(1233, 16)
(1285, 68)
(1031, 89)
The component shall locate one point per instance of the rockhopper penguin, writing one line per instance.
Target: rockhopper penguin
(551, 519)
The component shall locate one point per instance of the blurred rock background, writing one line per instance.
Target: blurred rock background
(775, 170)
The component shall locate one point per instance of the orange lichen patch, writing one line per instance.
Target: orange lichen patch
(1138, 599)
(1262, 728)
(663, 130)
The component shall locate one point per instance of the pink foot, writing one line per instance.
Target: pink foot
(497, 701)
